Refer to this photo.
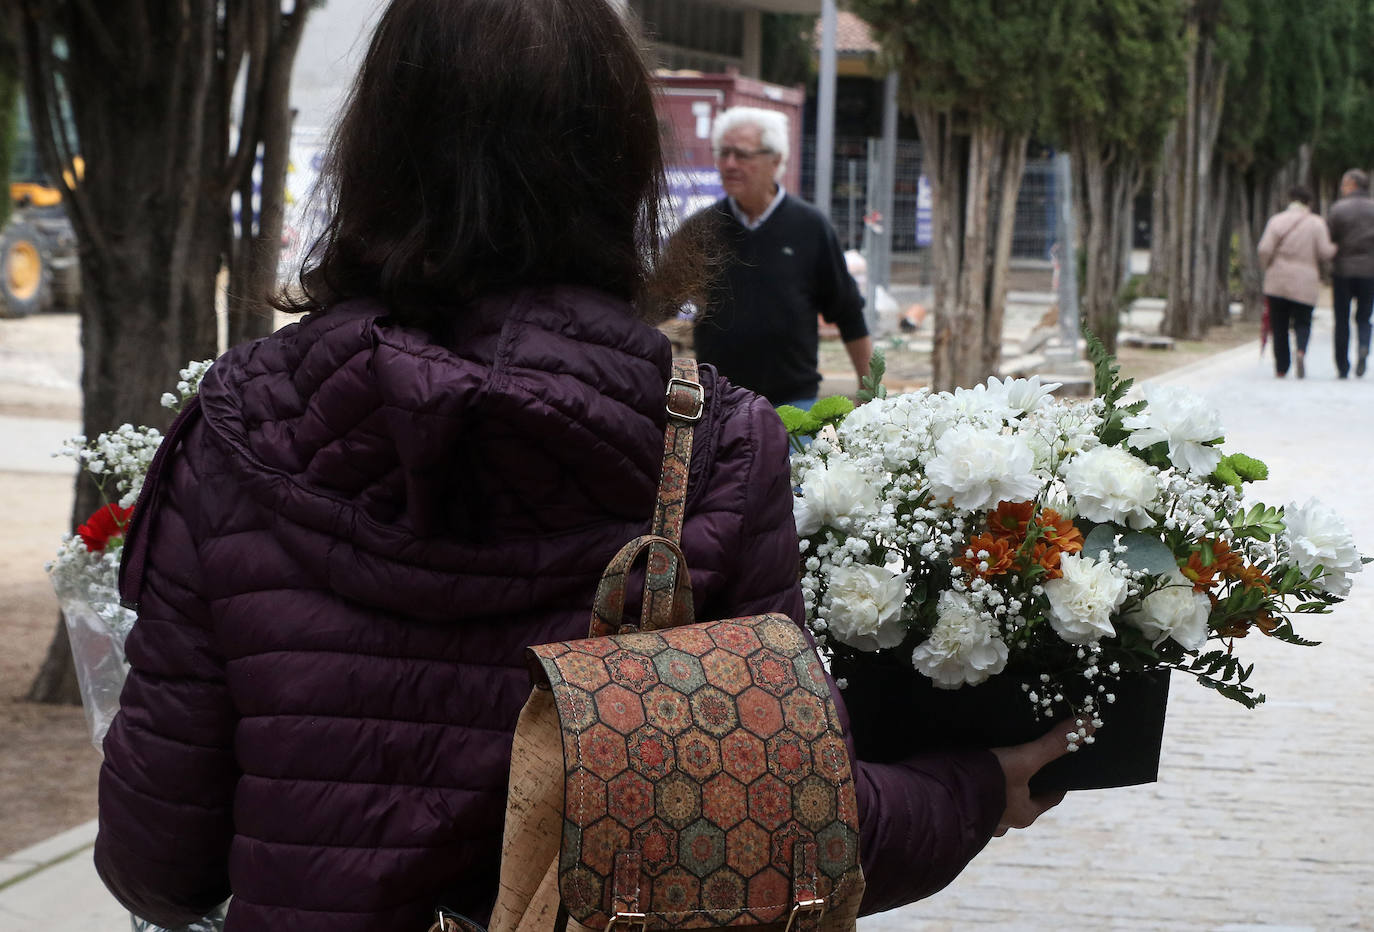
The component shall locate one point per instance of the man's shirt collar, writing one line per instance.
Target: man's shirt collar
(763, 217)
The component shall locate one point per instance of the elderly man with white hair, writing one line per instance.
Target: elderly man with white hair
(781, 267)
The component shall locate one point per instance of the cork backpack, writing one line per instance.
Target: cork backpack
(676, 774)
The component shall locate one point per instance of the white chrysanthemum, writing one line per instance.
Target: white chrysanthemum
(865, 606)
(836, 494)
(1174, 611)
(964, 648)
(987, 402)
(1083, 600)
(976, 468)
(1023, 396)
(1316, 536)
(1179, 417)
(1109, 484)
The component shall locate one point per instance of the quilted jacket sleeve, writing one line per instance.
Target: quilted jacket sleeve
(921, 820)
(167, 783)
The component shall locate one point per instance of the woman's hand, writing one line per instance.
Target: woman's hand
(1021, 762)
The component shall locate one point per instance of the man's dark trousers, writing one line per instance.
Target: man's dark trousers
(1343, 289)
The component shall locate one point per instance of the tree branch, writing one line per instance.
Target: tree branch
(259, 29)
(199, 41)
(49, 128)
(104, 42)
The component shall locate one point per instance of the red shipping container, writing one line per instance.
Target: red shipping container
(687, 105)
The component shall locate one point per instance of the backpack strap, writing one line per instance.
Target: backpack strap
(686, 400)
(663, 607)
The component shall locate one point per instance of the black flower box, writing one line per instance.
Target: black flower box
(896, 712)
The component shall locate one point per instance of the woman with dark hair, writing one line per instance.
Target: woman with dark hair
(1294, 245)
(348, 541)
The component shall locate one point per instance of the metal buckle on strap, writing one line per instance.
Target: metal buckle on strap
(628, 921)
(805, 907)
(698, 398)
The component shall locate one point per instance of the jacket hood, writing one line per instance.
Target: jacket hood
(540, 415)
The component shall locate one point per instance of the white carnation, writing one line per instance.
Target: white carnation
(964, 648)
(865, 606)
(1109, 484)
(1316, 536)
(1182, 419)
(977, 468)
(835, 494)
(1174, 611)
(1083, 600)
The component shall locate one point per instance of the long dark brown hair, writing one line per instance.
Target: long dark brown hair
(488, 144)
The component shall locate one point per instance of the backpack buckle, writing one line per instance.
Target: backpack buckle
(628, 921)
(805, 908)
(686, 400)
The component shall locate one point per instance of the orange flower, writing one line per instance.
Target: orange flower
(1203, 577)
(1226, 564)
(1250, 577)
(1059, 532)
(1000, 555)
(1229, 562)
(1008, 521)
(1047, 556)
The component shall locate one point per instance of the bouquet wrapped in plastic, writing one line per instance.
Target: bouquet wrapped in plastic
(85, 573)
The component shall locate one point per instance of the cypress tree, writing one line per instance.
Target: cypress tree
(972, 73)
(1116, 88)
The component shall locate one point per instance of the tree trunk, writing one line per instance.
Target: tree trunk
(1163, 228)
(256, 247)
(9, 104)
(1104, 185)
(1198, 204)
(147, 89)
(1010, 169)
(975, 174)
(1249, 223)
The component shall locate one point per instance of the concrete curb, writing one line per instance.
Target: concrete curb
(23, 864)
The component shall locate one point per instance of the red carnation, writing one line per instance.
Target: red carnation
(108, 521)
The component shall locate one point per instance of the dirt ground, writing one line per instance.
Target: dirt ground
(47, 765)
(907, 370)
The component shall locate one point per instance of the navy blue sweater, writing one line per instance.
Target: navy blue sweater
(759, 327)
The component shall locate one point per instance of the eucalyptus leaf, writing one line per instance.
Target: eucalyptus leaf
(1143, 552)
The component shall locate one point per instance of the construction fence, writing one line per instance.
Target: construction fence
(855, 188)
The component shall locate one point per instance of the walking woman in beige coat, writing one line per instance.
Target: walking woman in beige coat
(1295, 243)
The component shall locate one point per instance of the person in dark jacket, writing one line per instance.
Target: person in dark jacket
(347, 543)
(781, 269)
(1351, 221)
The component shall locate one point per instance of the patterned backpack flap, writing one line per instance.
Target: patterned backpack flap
(707, 781)
(697, 770)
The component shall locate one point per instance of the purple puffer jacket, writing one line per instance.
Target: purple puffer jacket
(338, 568)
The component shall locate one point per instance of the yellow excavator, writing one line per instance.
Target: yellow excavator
(39, 270)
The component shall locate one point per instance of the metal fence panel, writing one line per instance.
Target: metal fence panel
(1032, 235)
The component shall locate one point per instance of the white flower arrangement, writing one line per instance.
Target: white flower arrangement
(998, 531)
(85, 570)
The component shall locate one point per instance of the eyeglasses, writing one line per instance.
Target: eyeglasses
(742, 155)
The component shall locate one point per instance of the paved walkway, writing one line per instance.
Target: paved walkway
(1261, 820)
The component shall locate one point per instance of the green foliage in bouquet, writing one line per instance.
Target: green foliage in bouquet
(826, 412)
